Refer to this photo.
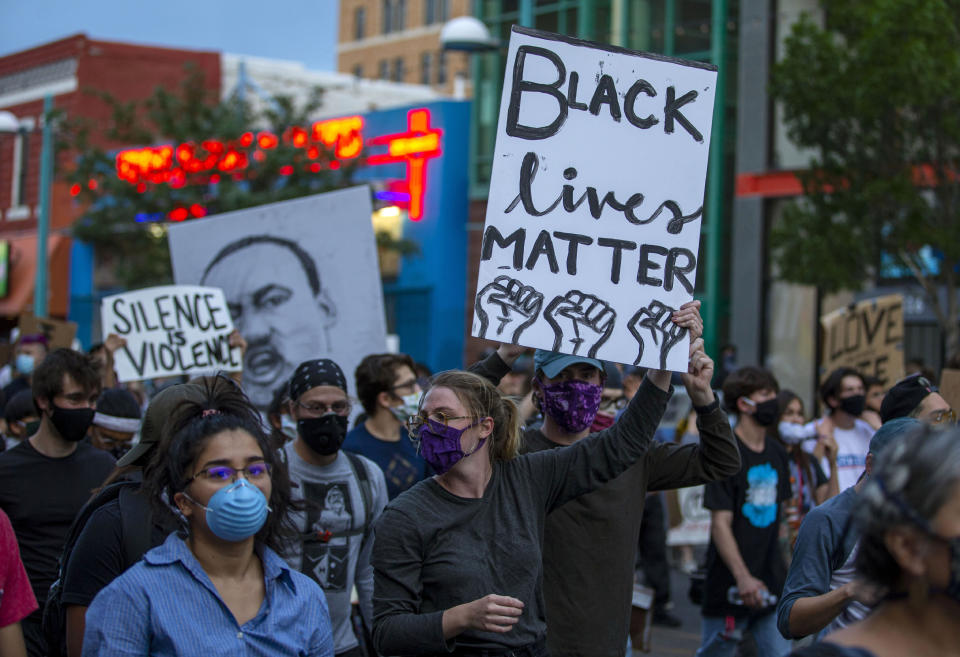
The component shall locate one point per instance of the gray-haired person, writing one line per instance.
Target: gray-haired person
(909, 519)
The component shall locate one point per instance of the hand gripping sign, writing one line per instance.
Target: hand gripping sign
(596, 198)
(170, 330)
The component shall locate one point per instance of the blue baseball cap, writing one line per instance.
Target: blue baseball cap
(552, 363)
(892, 430)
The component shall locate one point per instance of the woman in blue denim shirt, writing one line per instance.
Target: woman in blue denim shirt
(219, 588)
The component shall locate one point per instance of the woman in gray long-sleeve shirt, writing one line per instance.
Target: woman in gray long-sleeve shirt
(457, 558)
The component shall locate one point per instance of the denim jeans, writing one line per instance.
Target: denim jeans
(718, 641)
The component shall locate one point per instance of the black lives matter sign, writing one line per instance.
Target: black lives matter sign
(170, 330)
(596, 200)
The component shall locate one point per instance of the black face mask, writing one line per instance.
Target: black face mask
(766, 413)
(323, 434)
(71, 423)
(854, 405)
(119, 452)
(31, 428)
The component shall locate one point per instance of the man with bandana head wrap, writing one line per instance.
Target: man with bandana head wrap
(344, 494)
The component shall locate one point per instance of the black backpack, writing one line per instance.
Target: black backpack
(136, 519)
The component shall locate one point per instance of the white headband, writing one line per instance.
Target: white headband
(125, 424)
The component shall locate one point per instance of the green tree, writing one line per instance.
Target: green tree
(138, 251)
(873, 90)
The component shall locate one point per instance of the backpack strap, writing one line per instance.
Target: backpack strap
(366, 489)
(136, 524)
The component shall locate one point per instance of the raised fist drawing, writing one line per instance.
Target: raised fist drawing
(511, 305)
(655, 318)
(581, 320)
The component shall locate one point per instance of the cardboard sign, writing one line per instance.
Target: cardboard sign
(950, 387)
(59, 333)
(170, 330)
(867, 336)
(301, 279)
(596, 198)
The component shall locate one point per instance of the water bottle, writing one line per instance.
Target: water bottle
(733, 597)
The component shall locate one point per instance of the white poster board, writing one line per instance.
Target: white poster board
(170, 330)
(596, 198)
(301, 280)
(694, 527)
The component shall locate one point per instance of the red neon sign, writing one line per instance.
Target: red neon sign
(189, 163)
(415, 146)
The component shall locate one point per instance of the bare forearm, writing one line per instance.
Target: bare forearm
(728, 549)
(810, 615)
(11, 641)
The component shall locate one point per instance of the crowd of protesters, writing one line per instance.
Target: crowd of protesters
(490, 511)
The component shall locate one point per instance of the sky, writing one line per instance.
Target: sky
(299, 30)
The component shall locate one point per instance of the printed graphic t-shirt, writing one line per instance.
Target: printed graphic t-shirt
(754, 496)
(852, 447)
(340, 560)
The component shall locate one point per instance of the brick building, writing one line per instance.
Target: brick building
(399, 40)
(68, 69)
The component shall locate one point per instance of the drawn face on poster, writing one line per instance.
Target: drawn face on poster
(300, 278)
(284, 313)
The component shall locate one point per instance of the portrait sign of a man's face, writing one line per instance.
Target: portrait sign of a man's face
(285, 317)
(300, 278)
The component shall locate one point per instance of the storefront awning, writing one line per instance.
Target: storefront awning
(22, 275)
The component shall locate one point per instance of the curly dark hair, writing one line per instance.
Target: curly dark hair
(375, 374)
(188, 432)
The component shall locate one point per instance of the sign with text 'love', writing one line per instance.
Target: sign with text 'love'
(170, 330)
(867, 336)
(596, 198)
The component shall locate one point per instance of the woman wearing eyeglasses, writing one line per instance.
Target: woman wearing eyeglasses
(218, 588)
(457, 558)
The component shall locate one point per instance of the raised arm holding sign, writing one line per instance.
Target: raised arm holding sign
(596, 199)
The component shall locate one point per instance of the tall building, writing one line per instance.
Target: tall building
(399, 40)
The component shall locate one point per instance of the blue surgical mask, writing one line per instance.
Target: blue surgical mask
(236, 512)
(24, 364)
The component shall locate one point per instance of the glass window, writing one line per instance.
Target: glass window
(386, 13)
(359, 23)
(429, 12)
(442, 68)
(358, 71)
(426, 68)
(384, 72)
(398, 70)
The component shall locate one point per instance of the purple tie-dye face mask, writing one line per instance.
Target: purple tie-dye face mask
(572, 404)
(440, 445)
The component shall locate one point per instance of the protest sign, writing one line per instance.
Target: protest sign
(59, 333)
(300, 277)
(950, 387)
(596, 198)
(170, 330)
(867, 336)
(689, 521)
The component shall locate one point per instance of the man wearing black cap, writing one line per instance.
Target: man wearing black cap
(344, 493)
(914, 396)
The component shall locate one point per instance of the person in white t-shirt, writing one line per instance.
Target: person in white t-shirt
(843, 394)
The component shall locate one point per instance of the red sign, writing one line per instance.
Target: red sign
(204, 163)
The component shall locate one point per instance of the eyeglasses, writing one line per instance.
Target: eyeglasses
(415, 422)
(406, 384)
(610, 402)
(946, 416)
(340, 407)
(222, 473)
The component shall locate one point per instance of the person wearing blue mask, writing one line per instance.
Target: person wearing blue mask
(218, 588)
(30, 351)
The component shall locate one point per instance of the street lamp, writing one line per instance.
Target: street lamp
(10, 124)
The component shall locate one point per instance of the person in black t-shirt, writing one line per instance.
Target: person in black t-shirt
(745, 568)
(45, 480)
